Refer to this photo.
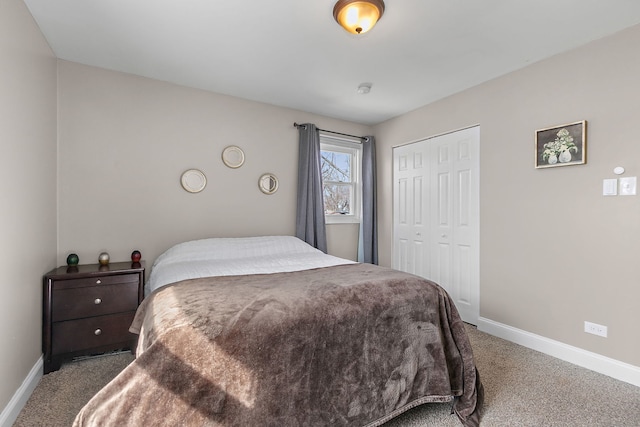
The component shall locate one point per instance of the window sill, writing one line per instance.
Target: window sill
(341, 219)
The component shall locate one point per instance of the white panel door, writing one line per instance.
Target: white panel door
(450, 199)
(411, 179)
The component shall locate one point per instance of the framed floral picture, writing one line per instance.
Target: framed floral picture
(563, 145)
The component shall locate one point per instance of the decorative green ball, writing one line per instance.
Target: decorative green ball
(73, 259)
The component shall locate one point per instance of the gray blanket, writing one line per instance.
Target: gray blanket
(351, 345)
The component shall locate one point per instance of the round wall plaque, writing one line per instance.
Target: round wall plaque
(193, 180)
(233, 156)
(268, 183)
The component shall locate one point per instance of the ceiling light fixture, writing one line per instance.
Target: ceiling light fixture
(358, 16)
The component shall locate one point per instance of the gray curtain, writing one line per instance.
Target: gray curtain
(310, 225)
(368, 240)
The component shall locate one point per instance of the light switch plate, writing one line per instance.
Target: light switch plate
(610, 187)
(628, 186)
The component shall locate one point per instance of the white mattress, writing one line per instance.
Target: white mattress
(236, 256)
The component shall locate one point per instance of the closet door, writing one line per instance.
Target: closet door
(411, 208)
(445, 193)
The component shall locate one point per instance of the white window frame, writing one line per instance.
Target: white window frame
(331, 143)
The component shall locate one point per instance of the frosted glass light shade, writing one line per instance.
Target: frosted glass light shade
(357, 16)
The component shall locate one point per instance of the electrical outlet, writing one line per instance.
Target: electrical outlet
(595, 329)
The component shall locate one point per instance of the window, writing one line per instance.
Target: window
(340, 164)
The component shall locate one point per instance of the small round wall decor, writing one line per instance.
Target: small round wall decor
(268, 183)
(233, 156)
(193, 180)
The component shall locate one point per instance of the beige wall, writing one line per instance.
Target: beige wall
(27, 189)
(554, 251)
(124, 141)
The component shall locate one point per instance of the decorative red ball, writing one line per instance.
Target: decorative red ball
(136, 256)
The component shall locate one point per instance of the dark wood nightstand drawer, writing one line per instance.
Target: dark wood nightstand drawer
(76, 303)
(97, 281)
(92, 332)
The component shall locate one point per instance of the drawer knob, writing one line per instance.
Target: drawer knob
(98, 281)
(97, 301)
(97, 331)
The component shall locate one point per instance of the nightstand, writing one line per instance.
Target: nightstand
(87, 309)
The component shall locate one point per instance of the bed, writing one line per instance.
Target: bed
(268, 331)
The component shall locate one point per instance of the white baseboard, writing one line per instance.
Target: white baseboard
(593, 361)
(19, 399)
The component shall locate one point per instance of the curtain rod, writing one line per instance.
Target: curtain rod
(336, 133)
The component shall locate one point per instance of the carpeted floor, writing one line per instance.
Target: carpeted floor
(522, 388)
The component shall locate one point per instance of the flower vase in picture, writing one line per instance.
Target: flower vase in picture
(559, 150)
(565, 156)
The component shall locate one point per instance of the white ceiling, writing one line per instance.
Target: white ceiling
(292, 53)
